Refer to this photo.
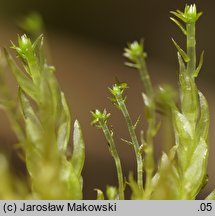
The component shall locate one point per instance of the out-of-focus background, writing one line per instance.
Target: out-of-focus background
(86, 41)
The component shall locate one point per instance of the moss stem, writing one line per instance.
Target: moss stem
(115, 156)
(123, 108)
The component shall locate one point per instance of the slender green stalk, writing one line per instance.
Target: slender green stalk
(117, 92)
(135, 53)
(190, 101)
(101, 119)
(115, 155)
(144, 75)
(149, 152)
(134, 140)
(191, 47)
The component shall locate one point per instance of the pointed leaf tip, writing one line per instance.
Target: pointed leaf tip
(196, 72)
(181, 51)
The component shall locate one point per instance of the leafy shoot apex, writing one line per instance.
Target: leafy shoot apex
(99, 117)
(118, 89)
(189, 15)
(134, 51)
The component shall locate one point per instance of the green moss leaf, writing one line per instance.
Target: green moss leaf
(78, 155)
(204, 120)
(194, 175)
(34, 128)
(100, 195)
(112, 192)
(63, 134)
(73, 181)
(167, 186)
(137, 194)
(181, 51)
(23, 81)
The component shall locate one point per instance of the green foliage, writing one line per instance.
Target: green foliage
(100, 120)
(111, 192)
(41, 120)
(44, 140)
(189, 15)
(100, 195)
(11, 186)
(181, 172)
(119, 101)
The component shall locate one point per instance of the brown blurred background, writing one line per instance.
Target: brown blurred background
(86, 39)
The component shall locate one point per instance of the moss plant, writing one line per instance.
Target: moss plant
(41, 120)
(47, 121)
(181, 172)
